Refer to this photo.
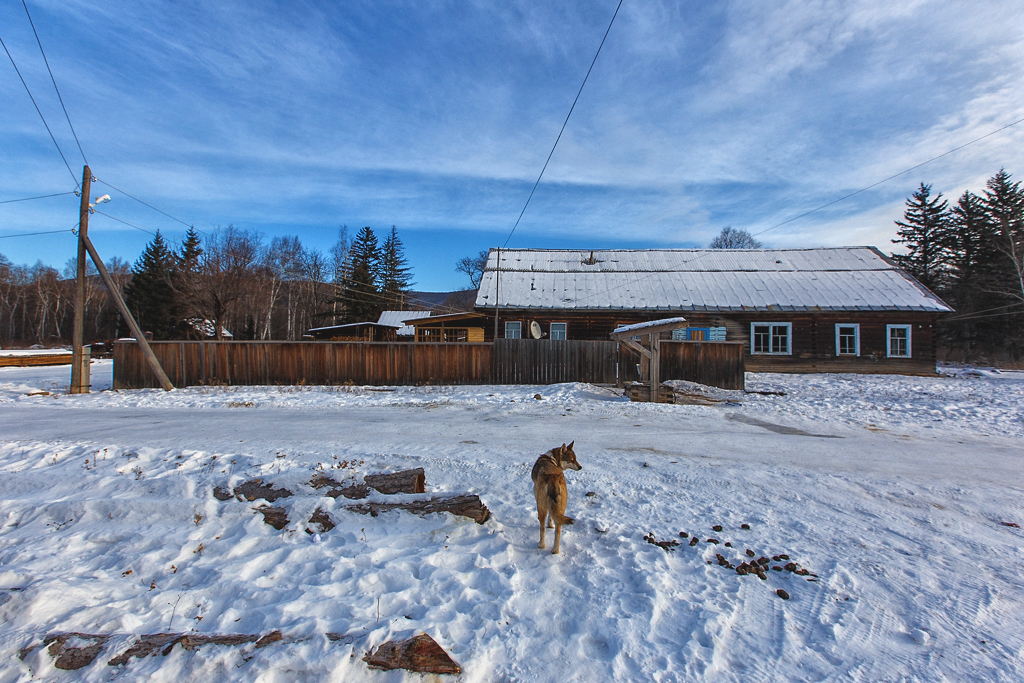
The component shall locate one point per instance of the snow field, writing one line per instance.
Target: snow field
(900, 521)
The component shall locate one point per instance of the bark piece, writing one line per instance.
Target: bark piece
(275, 517)
(222, 493)
(256, 489)
(70, 657)
(320, 481)
(420, 654)
(465, 505)
(270, 638)
(782, 594)
(145, 646)
(406, 481)
(322, 520)
(194, 641)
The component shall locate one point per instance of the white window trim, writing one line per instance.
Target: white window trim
(888, 340)
(856, 339)
(514, 322)
(565, 329)
(789, 340)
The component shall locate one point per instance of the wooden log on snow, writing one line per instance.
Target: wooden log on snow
(463, 505)
(406, 481)
(421, 654)
(73, 657)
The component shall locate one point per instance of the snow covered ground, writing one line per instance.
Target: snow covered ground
(893, 490)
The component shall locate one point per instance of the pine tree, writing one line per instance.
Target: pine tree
(1004, 208)
(185, 282)
(361, 295)
(149, 295)
(923, 230)
(395, 273)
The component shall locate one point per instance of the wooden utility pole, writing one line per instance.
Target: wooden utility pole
(79, 357)
(497, 274)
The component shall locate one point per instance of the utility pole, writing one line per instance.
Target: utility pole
(79, 356)
(497, 274)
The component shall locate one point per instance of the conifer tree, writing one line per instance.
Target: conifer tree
(149, 295)
(361, 296)
(1004, 208)
(923, 231)
(395, 273)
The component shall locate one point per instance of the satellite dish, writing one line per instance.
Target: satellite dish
(535, 330)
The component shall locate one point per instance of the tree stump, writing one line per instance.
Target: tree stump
(464, 505)
(421, 654)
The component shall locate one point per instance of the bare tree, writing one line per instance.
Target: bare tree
(226, 267)
(734, 239)
(473, 267)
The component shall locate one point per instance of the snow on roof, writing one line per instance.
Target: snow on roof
(840, 278)
(398, 318)
(650, 323)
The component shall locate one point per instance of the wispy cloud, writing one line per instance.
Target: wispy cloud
(296, 117)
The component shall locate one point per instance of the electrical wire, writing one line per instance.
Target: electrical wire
(131, 225)
(564, 123)
(38, 111)
(47, 62)
(174, 218)
(45, 196)
(30, 234)
(885, 180)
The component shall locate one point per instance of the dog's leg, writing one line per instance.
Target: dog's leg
(551, 522)
(558, 538)
(541, 513)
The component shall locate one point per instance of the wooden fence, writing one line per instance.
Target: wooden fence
(507, 361)
(717, 364)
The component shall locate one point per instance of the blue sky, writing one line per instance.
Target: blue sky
(436, 117)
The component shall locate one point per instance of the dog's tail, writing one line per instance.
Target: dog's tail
(561, 519)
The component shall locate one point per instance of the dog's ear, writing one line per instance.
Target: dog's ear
(562, 448)
(571, 444)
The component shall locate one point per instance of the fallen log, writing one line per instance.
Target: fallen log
(406, 481)
(421, 654)
(463, 505)
(150, 644)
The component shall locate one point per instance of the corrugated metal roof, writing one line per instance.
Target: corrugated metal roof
(842, 278)
(397, 318)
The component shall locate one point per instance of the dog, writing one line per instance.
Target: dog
(550, 491)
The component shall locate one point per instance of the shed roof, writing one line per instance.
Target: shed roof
(398, 318)
(840, 278)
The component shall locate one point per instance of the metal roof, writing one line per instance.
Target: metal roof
(398, 318)
(827, 279)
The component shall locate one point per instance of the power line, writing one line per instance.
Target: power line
(45, 196)
(14, 64)
(864, 189)
(564, 123)
(47, 62)
(30, 234)
(174, 218)
(131, 225)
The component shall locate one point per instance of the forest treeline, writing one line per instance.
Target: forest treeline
(971, 253)
(230, 279)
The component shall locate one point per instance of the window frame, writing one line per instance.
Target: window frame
(888, 340)
(519, 329)
(565, 331)
(856, 340)
(771, 326)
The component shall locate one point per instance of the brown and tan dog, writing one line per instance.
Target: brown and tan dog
(549, 489)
